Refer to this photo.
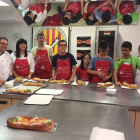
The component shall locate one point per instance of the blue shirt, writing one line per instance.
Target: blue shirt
(92, 63)
(98, 15)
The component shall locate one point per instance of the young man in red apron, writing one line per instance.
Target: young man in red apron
(101, 65)
(72, 14)
(126, 66)
(43, 56)
(63, 64)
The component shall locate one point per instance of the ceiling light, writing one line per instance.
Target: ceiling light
(3, 3)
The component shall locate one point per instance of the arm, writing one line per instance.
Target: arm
(86, 5)
(82, 8)
(108, 77)
(73, 73)
(118, 6)
(99, 73)
(37, 2)
(14, 73)
(66, 5)
(104, 4)
(2, 81)
(53, 73)
(113, 7)
(115, 77)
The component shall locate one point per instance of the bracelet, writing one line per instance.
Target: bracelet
(45, 4)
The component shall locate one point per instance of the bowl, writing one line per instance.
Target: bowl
(111, 91)
(9, 84)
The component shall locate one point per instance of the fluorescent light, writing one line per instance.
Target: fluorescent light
(3, 3)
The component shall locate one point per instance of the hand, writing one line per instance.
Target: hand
(106, 3)
(2, 81)
(71, 79)
(117, 83)
(66, 1)
(105, 78)
(46, 2)
(110, 2)
(118, 59)
(101, 74)
(52, 78)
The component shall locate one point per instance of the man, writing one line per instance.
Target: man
(105, 12)
(63, 64)
(126, 66)
(72, 14)
(43, 56)
(5, 61)
(101, 65)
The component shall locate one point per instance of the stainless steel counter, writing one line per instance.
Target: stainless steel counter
(76, 120)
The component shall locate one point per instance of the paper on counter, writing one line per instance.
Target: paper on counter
(75, 84)
(39, 99)
(106, 134)
(36, 81)
(49, 91)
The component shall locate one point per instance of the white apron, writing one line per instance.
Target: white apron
(5, 66)
(137, 77)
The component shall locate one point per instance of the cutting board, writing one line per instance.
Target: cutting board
(49, 91)
(39, 100)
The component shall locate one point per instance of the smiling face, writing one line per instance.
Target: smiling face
(86, 59)
(41, 40)
(3, 45)
(22, 46)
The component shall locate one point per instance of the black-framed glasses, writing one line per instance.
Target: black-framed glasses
(105, 51)
(4, 44)
(62, 45)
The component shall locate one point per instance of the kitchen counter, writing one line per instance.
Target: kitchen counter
(76, 120)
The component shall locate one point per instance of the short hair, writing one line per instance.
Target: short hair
(66, 21)
(127, 44)
(17, 52)
(62, 41)
(89, 21)
(139, 48)
(103, 45)
(138, 2)
(14, 3)
(127, 19)
(3, 38)
(106, 16)
(40, 34)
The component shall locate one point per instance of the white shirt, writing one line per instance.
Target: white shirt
(24, 4)
(29, 58)
(5, 66)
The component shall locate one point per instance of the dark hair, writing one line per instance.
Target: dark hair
(127, 44)
(14, 3)
(106, 16)
(138, 2)
(28, 19)
(127, 19)
(139, 48)
(3, 38)
(40, 34)
(66, 21)
(82, 63)
(103, 45)
(62, 41)
(17, 52)
(89, 21)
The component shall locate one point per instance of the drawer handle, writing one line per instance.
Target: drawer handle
(3, 102)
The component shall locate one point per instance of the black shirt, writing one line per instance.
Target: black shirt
(64, 57)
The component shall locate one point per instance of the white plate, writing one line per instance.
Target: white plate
(49, 91)
(36, 81)
(125, 87)
(75, 84)
(106, 87)
(39, 99)
(19, 82)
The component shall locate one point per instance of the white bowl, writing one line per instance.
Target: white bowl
(9, 84)
(111, 91)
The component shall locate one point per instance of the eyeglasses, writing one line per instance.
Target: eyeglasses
(124, 50)
(4, 44)
(62, 45)
(105, 51)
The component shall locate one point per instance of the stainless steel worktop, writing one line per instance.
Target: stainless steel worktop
(76, 120)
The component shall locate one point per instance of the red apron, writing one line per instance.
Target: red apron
(43, 66)
(84, 75)
(101, 66)
(105, 8)
(125, 73)
(127, 6)
(63, 69)
(39, 8)
(90, 9)
(21, 67)
(75, 7)
(53, 21)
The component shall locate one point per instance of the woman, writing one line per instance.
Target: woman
(137, 77)
(81, 71)
(23, 61)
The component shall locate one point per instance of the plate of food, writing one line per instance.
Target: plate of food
(19, 79)
(32, 123)
(34, 84)
(129, 86)
(80, 83)
(60, 81)
(38, 80)
(106, 85)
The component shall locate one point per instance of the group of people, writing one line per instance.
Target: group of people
(42, 64)
(92, 12)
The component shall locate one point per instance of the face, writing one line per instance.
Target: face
(104, 52)
(62, 47)
(31, 16)
(3, 45)
(41, 40)
(22, 46)
(125, 51)
(68, 15)
(91, 17)
(86, 59)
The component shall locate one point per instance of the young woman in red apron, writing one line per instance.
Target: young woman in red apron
(43, 68)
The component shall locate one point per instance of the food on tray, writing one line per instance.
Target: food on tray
(81, 83)
(32, 123)
(59, 81)
(107, 84)
(132, 86)
(38, 80)
(18, 79)
(18, 91)
(33, 84)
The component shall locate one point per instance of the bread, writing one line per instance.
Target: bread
(18, 91)
(38, 80)
(132, 86)
(31, 123)
(81, 83)
(33, 84)
(18, 79)
(59, 81)
(107, 84)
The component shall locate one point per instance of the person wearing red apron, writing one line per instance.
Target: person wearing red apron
(101, 65)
